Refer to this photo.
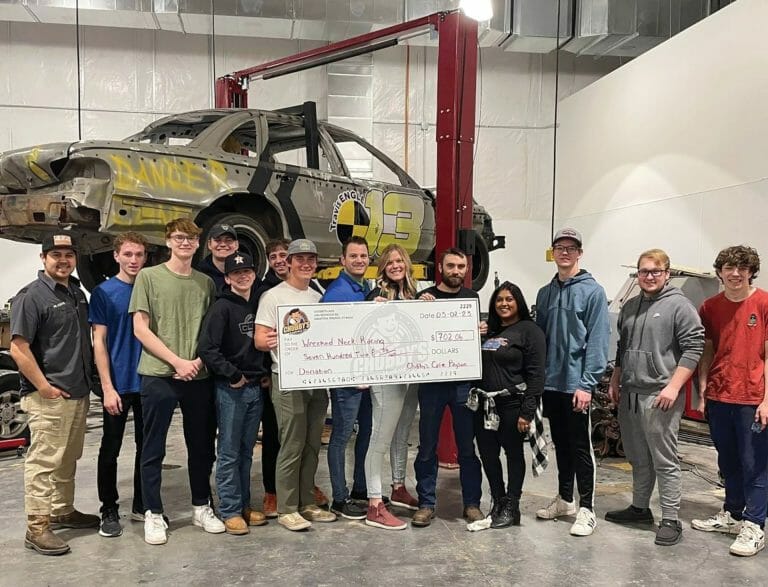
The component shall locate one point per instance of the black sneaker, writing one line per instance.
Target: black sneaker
(110, 524)
(349, 509)
(669, 533)
(630, 515)
(363, 496)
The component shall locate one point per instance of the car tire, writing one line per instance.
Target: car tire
(13, 421)
(251, 235)
(481, 263)
(94, 269)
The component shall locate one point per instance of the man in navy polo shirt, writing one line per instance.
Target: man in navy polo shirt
(349, 404)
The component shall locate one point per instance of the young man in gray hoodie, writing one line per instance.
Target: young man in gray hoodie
(661, 340)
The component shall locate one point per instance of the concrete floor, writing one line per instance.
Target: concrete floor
(350, 553)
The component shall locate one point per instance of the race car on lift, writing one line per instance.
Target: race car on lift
(269, 174)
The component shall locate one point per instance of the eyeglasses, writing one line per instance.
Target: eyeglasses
(653, 272)
(564, 249)
(180, 238)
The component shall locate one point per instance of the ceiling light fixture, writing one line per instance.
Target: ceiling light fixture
(479, 10)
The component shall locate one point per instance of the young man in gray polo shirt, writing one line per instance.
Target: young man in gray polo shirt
(51, 344)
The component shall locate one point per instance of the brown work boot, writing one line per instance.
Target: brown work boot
(254, 518)
(270, 505)
(40, 538)
(472, 513)
(423, 517)
(235, 525)
(75, 519)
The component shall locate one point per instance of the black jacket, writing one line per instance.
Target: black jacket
(226, 341)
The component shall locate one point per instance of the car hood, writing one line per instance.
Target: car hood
(32, 167)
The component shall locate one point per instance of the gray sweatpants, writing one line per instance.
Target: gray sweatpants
(649, 436)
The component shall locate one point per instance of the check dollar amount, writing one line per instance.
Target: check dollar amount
(378, 343)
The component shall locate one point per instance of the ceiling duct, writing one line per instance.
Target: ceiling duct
(602, 27)
(533, 26)
(627, 28)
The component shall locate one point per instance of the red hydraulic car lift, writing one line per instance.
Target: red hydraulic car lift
(456, 84)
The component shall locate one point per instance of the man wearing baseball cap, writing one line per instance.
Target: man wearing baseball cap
(300, 414)
(572, 310)
(51, 344)
(226, 347)
(222, 242)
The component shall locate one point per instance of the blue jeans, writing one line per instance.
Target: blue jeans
(238, 412)
(433, 399)
(742, 456)
(348, 405)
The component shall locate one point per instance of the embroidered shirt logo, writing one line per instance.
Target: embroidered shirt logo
(752, 322)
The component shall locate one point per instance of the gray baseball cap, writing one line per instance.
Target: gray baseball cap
(302, 245)
(570, 233)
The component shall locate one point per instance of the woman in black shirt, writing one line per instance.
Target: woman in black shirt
(513, 355)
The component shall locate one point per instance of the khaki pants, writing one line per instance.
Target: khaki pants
(300, 419)
(57, 428)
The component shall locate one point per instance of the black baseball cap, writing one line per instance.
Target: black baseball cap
(221, 229)
(59, 240)
(238, 260)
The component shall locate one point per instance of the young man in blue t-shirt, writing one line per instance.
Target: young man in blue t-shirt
(116, 353)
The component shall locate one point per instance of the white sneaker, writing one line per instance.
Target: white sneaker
(557, 507)
(154, 528)
(207, 520)
(720, 522)
(585, 523)
(750, 541)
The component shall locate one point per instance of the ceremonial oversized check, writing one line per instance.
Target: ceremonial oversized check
(376, 343)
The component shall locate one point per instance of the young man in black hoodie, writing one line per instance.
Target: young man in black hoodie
(226, 347)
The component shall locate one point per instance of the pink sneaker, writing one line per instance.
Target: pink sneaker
(379, 517)
(400, 497)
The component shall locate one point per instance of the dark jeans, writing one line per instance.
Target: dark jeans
(270, 443)
(348, 405)
(433, 399)
(159, 397)
(111, 441)
(742, 456)
(572, 434)
(490, 443)
(238, 412)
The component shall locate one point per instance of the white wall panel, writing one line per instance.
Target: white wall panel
(21, 262)
(5, 64)
(116, 65)
(114, 125)
(182, 73)
(32, 126)
(42, 65)
(670, 149)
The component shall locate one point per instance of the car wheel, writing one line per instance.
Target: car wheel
(13, 420)
(250, 234)
(94, 269)
(481, 263)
